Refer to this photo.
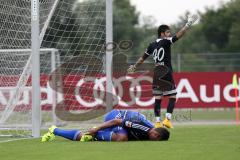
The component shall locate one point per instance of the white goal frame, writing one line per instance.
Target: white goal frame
(55, 59)
(36, 40)
(32, 64)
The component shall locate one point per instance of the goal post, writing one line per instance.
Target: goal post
(78, 30)
(35, 59)
(109, 54)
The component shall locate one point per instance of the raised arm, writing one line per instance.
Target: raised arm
(191, 20)
(181, 32)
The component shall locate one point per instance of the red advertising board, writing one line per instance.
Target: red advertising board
(205, 89)
(195, 90)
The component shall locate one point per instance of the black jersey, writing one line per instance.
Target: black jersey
(136, 125)
(136, 130)
(161, 51)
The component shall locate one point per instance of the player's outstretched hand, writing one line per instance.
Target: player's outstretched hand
(131, 69)
(92, 131)
(191, 20)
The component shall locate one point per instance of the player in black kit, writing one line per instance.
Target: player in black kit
(163, 82)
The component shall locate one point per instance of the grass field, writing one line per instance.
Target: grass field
(186, 142)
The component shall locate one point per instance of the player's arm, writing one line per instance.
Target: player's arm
(181, 32)
(146, 54)
(133, 68)
(191, 20)
(135, 125)
(107, 124)
(141, 59)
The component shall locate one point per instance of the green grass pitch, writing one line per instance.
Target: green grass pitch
(215, 142)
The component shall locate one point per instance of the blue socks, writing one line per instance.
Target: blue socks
(69, 134)
(103, 135)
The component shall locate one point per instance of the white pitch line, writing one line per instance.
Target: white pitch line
(11, 140)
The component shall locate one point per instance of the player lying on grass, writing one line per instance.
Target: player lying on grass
(119, 125)
(163, 82)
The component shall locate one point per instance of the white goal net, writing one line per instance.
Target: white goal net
(76, 29)
(15, 112)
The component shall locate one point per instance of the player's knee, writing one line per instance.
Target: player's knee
(172, 96)
(158, 97)
(79, 136)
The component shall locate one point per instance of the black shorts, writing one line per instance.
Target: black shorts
(163, 82)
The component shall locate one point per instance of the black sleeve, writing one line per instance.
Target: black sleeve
(149, 50)
(172, 40)
(135, 125)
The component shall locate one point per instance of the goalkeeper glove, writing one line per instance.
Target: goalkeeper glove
(191, 20)
(131, 69)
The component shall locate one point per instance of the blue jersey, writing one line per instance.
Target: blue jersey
(135, 123)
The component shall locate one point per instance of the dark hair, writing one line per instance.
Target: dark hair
(162, 29)
(164, 133)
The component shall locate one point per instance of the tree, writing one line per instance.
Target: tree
(125, 20)
(217, 32)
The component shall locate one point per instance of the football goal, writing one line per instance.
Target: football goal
(46, 48)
